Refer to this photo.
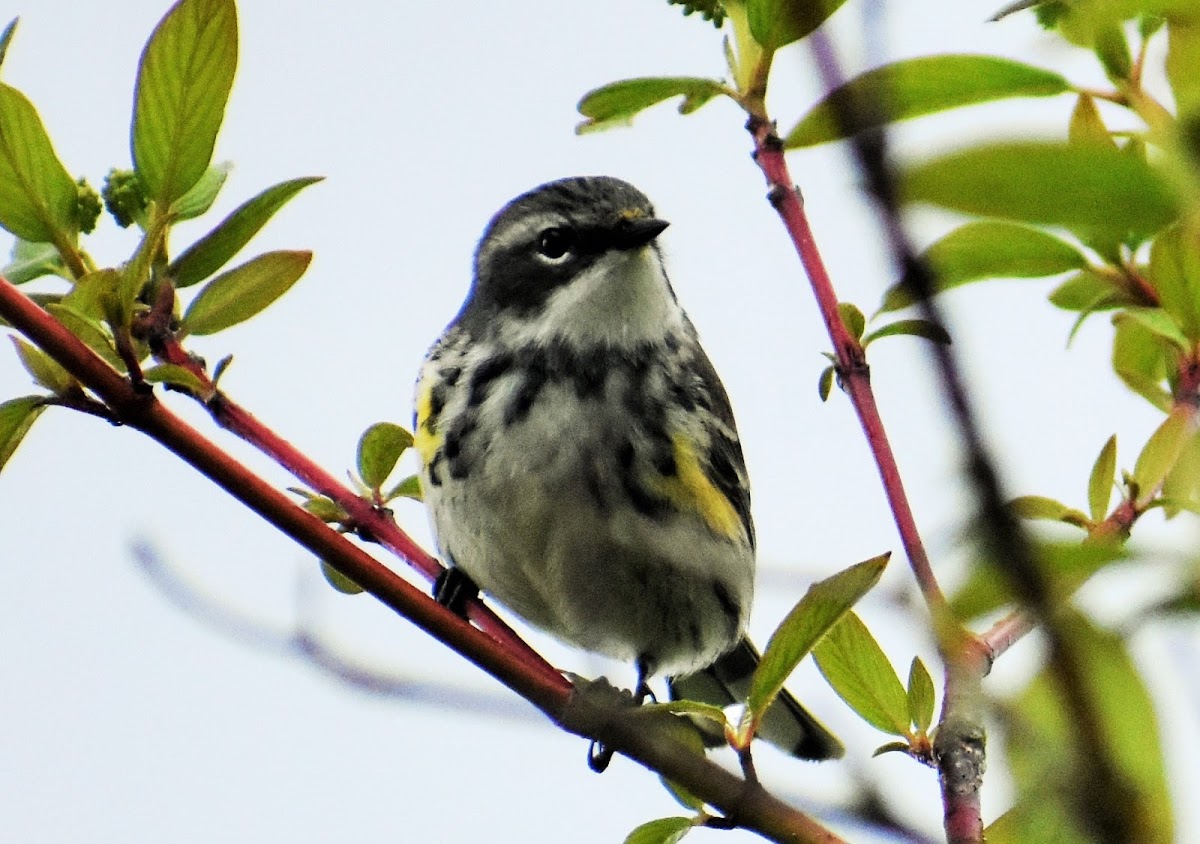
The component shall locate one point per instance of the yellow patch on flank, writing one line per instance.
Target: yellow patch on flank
(690, 490)
(426, 439)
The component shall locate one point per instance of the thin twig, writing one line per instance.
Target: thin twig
(1002, 535)
(304, 642)
(963, 817)
(852, 366)
(372, 523)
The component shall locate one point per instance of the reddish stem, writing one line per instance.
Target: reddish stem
(368, 521)
(138, 409)
(852, 366)
(961, 751)
(746, 802)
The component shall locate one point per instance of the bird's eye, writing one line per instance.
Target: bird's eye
(555, 244)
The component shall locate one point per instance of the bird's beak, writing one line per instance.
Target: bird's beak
(630, 234)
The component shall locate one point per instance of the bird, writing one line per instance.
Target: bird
(579, 456)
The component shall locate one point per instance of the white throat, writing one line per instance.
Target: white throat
(622, 300)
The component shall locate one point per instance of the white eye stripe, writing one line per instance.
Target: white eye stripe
(515, 232)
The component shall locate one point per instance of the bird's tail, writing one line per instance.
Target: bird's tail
(786, 724)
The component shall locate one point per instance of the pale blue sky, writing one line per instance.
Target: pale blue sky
(128, 721)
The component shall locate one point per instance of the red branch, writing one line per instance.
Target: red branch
(138, 408)
(966, 659)
(854, 374)
(585, 714)
(370, 522)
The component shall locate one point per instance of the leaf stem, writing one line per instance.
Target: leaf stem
(71, 256)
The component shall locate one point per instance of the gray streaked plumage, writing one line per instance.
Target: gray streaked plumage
(581, 462)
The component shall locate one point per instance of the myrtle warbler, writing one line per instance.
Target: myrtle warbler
(580, 459)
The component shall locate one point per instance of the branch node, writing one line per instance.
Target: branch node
(719, 822)
(777, 195)
(960, 751)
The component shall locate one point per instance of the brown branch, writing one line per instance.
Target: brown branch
(583, 711)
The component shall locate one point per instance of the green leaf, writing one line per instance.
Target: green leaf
(1066, 565)
(891, 747)
(1112, 48)
(16, 418)
(989, 249)
(858, 670)
(1087, 126)
(135, 274)
(1123, 10)
(617, 103)
(183, 82)
(203, 194)
(1088, 291)
(179, 377)
(379, 448)
(825, 383)
(915, 87)
(215, 249)
(242, 292)
(911, 327)
(1100, 482)
(777, 23)
(325, 509)
(1160, 325)
(339, 581)
(1084, 189)
(1149, 25)
(823, 605)
(1046, 509)
(1181, 489)
(691, 708)
(1174, 273)
(33, 260)
(984, 590)
(852, 318)
(92, 291)
(1183, 57)
(1037, 819)
(921, 695)
(682, 796)
(37, 194)
(91, 331)
(410, 487)
(45, 370)
(1041, 748)
(6, 38)
(1140, 360)
(661, 831)
(687, 731)
(1161, 453)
